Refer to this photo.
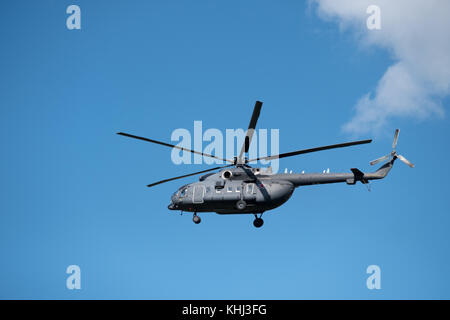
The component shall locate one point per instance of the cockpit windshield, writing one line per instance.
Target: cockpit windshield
(182, 191)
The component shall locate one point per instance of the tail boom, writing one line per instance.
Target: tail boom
(307, 179)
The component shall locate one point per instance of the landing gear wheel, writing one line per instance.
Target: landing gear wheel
(258, 222)
(241, 205)
(196, 219)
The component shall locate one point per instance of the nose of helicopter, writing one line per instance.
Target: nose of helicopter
(174, 202)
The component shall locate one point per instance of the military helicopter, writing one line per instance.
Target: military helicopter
(239, 188)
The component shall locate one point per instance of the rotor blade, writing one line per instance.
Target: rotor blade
(394, 144)
(187, 175)
(294, 153)
(251, 128)
(404, 160)
(171, 146)
(386, 157)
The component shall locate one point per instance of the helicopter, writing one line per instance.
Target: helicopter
(238, 188)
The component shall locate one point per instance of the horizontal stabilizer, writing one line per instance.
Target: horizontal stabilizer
(359, 175)
(357, 172)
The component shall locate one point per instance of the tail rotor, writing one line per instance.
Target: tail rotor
(394, 144)
(404, 160)
(393, 155)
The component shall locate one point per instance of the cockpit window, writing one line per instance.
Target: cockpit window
(182, 192)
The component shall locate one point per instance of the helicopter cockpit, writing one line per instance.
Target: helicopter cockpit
(177, 197)
(181, 192)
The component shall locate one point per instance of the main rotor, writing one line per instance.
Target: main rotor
(241, 160)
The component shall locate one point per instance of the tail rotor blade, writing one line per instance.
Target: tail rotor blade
(394, 144)
(386, 157)
(404, 160)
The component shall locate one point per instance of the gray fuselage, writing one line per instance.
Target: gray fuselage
(220, 192)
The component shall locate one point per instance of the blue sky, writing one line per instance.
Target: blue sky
(73, 192)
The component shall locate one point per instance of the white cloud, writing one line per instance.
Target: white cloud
(417, 33)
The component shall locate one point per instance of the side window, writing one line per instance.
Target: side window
(238, 189)
(230, 189)
(183, 192)
(250, 188)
